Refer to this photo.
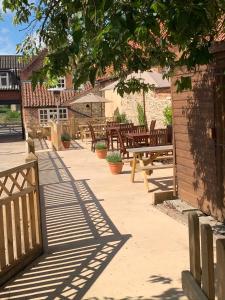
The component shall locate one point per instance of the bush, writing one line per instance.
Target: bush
(12, 115)
(65, 137)
(100, 146)
(141, 115)
(114, 157)
(167, 112)
(120, 117)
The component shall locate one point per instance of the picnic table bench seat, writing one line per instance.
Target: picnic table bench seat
(156, 167)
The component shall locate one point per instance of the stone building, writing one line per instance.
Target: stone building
(155, 100)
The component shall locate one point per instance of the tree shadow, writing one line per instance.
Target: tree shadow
(79, 238)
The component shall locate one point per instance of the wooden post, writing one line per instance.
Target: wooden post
(31, 147)
(220, 268)
(207, 261)
(194, 246)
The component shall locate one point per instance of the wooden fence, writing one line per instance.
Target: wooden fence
(199, 282)
(20, 222)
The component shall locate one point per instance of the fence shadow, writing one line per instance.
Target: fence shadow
(80, 240)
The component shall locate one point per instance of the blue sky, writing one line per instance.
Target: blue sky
(10, 35)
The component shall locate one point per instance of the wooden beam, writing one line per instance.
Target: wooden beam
(194, 246)
(207, 261)
(191, 289)
(220, 269)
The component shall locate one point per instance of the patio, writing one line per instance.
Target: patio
(103, 239)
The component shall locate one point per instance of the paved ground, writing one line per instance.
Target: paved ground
(104, 238)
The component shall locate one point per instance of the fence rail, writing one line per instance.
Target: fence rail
(20, 222)
(199, 282)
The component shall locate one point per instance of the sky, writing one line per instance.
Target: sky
(10, 35)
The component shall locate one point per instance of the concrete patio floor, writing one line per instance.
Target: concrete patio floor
(103, 238)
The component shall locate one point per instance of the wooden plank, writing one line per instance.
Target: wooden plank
(16, 169)
(207, 261)
(25, 223)
(37, 205)
(151, 149)
(157, 167)
(9, 232)
(194, 246)
(25, 191)
(32, 219)
(18, 227)
(190, 287)
(2, 242)
(220, 269)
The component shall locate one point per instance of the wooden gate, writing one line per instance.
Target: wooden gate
(199, 282)
(20, 222)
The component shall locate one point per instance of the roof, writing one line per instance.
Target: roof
(41, 96)
(90, 98)
(11, 62)
(154, 78)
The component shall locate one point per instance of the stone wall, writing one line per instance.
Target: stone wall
(155, 102)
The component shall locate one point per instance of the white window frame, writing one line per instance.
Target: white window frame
(52, 111)
(7, 79)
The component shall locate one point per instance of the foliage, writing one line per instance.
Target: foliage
(100, 146)
(130, 36)
(114, 157)
(167, 112)
(11, 116)
(65, 137)
(120, 117)
(141, 115)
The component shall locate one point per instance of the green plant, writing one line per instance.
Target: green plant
(12, 115)
(167, 112)
(114, 157)
(65, 137)
(120, 117)
(141, 115)
(100, 146)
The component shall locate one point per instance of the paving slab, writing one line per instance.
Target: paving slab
(103, 238)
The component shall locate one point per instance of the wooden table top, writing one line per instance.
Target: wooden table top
(150, 149)
(132, 135)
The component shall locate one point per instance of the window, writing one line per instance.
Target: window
(4, 79)
(47, 114)
(61, 83)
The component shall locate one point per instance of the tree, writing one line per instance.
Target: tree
(128, 35)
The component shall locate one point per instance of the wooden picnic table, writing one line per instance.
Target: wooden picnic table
(154, 152)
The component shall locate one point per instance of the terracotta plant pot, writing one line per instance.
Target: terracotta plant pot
(116, 168)
(66, 144)
(101, 153)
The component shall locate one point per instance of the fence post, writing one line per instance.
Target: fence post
(31, 147)
(220, 268)
(207, 261)
(194, 246)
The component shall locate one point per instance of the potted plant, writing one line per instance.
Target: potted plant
(101, 150)
(115, 162)
(66, 138)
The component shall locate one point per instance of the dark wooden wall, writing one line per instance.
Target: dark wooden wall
(194, 121)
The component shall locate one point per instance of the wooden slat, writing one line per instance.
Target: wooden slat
(2, 242)
(16, 169)
(191, 289)
(194, 246)
(220, 269)
(207, 261)
(25, 223)
(9, 232)
(18, 228)
(32, 219)
(37, 205)
(16, 195)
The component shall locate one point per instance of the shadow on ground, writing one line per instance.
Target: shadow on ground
(80, 240)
